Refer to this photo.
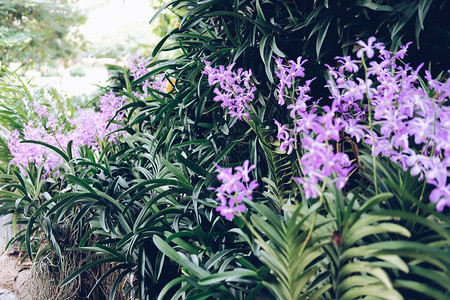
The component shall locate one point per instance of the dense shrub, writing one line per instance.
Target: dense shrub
(77, 71)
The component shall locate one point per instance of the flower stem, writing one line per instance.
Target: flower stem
(308, 237)
(313, 222)
(374, 160)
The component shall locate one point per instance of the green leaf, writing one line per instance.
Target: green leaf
(75, 274)
(235, 275)
(81, 183)
(156, 183)
(321, 36)
(275, 48)
(192, 142)
(166, 249)
(374, 6)
(377, 291)
(193, 166)
(418, 287)
(359, 231)
(269, 230)
(175, 171)
(169, 286)
(105, 275)
(366, 267)
(161, 9)
(259, 11)
(58, 151)
(262, 47)
(222, 154)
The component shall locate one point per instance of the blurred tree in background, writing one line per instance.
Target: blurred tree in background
(167, 20)
(34, 32)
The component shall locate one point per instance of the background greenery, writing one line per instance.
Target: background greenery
(38, 31)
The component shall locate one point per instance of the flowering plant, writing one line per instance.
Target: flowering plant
(138, 66)
(234, 188)
(387, 109)
(235, 91)
(88, 127)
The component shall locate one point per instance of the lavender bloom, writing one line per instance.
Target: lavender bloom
(137, 65)
(235, 91)
(283, 131)
(158, 83)
(280, 97)
(287, 75)
(287, 144)
(348, 64)
(332, 72)
(402, 52)
(138, 68)
(366, 48)
(384, 54)
(40, 110)
(404, 112)
(378, 69)
(245, 170)
(306, 121)
(298, 107)
(354, 129)
(401, 109)
(235, 187)
(296, 69)
(441, 194)
(405, 117)
(318, 160)
(229, 212)
(89, 128)
(310, 186)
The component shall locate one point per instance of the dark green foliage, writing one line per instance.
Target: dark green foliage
(252, 32)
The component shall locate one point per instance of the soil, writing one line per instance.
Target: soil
(14, 283)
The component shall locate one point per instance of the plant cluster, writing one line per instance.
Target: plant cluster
(402, 119)
(88, 127)
(255, 183)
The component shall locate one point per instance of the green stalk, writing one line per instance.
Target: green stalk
(370, 126)
(313, 222)
(434, 127)
(420, 200)
(308, 237)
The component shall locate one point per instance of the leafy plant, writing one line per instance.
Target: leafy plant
(145, 208)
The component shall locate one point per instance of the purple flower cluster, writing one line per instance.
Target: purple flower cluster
(138, 68)
(235, 91)
(387, 109)
(137, 65)
(287, 75)
(235, 187)
(89, 128)
(410, 123)
(315, 132)
(401, 111)
(23, 154)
